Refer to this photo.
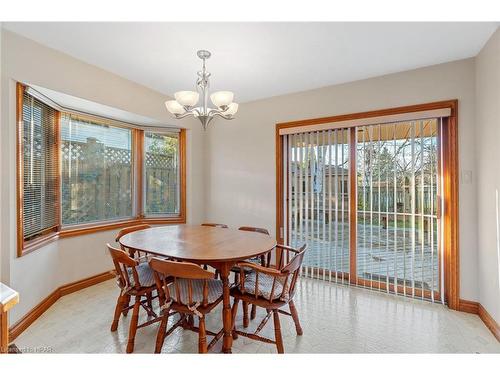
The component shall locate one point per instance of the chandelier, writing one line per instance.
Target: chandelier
(185, 103)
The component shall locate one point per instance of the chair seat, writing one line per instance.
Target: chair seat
(145, 273)
(214, 290)
(265, 286)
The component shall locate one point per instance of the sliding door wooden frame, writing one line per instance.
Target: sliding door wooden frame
(450, 216)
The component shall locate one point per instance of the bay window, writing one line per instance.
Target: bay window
(83, 173)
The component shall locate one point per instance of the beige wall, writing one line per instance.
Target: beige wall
(240, 153)
(488, 161)
(39, 273)
(235, 160)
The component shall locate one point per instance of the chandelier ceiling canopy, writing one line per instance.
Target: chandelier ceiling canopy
(186, 102)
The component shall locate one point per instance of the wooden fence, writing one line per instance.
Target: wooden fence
(97, 182)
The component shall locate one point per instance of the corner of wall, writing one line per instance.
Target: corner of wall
(487, 116)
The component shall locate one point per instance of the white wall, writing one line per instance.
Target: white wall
(240, 158)
(488, 161)
(39, 273)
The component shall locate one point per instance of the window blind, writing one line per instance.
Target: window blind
(40, 172)
(390, 237)
(318, 211)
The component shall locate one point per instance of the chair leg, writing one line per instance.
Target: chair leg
(133, 325)
(277, 332)
(149, 297)
(295, 317)
(162, 330)
(126, 303)
(234, 311)
(245, 314)
(118, 310)
(253, 313)
(202, 336)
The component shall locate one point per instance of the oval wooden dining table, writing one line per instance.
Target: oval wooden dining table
(220, 248)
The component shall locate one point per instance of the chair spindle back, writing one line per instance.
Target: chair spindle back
(164, 270)
(254, 229)
(214, 225)
(286, 274)
(122, 262)
(127, 230)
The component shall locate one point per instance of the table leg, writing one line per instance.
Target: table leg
(226, 309)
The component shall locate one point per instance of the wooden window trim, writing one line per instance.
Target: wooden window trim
(25, 247)
(451, 182)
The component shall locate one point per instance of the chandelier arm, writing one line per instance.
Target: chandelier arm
(213, 111)
(226, 117)
(186, 114)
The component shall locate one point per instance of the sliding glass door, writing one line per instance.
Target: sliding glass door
(366, 200)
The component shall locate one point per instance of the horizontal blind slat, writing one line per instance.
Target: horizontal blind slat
(40, 172)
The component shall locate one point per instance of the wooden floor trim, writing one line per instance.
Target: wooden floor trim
(470, 307)
(488, 320)
(17, 328)
(478, 309)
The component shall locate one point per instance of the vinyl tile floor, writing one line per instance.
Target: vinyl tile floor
(335, 319)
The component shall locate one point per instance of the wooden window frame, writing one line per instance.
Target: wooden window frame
(25, 247)
(450, 181)
(158, 219)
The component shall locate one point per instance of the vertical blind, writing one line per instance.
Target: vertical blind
(96, 177)
(318, 210)
(397, 177)
(161, 173)
(40, 174)
(397, 208)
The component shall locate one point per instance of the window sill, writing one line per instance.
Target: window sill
(37, 243)
(101, 227)
(32, 245)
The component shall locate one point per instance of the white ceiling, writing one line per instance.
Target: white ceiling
(259, 60)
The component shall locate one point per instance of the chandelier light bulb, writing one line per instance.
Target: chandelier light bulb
(232, 109)
(174, 107)
(187, 98)
(222, 98)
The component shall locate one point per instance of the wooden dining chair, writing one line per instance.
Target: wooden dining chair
(214, 225)
(135, 279)
(133, 253)
(270, 288)
(139, 256)
(264, 260)
(193, 291)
